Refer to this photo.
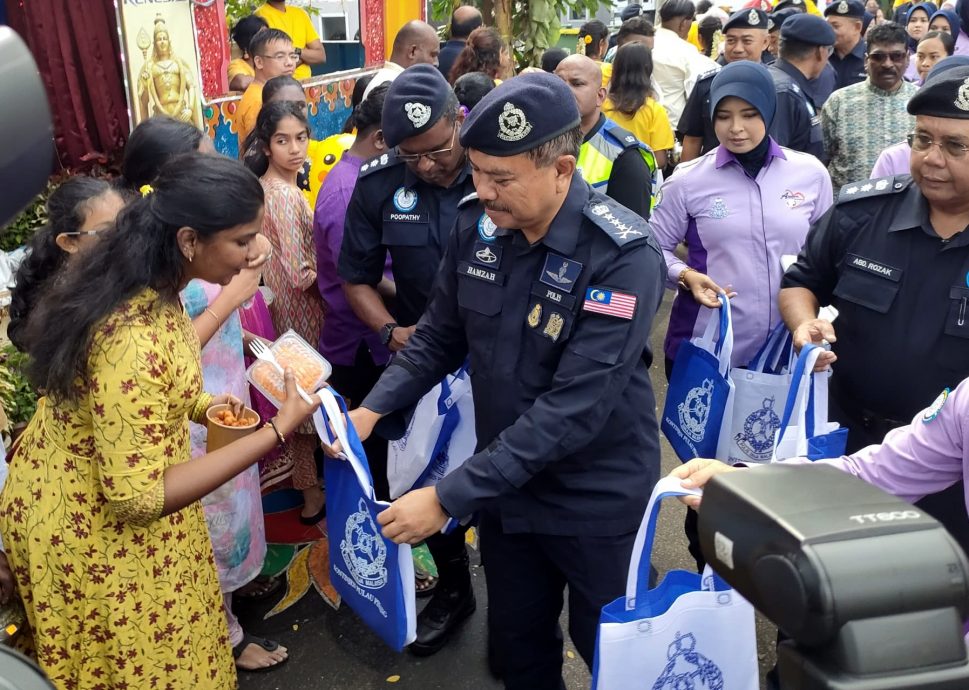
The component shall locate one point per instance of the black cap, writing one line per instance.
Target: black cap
(845, 8)
(747, 19)
(520, 114)
(778, 17)
(795, 4)
(944, 94)
(414, 103)
(807, 28)
(630, 11)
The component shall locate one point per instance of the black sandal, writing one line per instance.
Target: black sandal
(268, 645)
(259, 589)
(313, 519)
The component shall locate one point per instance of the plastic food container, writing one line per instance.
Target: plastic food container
(292, 352)
(219, 434)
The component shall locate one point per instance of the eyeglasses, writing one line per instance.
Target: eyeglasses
(894, 56)
(82, 233)
(282, 56)
(433, 156)
(950, 149)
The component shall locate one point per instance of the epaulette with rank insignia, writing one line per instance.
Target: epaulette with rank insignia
(876, 187)
(473, 196)
(708, 74)
(384, 160)
(621, 224)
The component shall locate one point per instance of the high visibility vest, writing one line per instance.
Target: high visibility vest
(597, 155)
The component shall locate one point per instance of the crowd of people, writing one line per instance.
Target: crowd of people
(526, 224)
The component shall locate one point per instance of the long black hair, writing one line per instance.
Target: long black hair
(151, 144)
(209, 194)
(268, 121)
(356, 98)
(631, 82)
(67, 208)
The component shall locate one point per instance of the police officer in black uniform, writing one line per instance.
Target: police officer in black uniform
(892, 257)
(806, 42)
(746, 38)
(550, 288)
(846, 18)
(405, 202)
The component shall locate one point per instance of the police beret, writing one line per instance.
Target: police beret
(520, 114)
(808, 28)
(414, 103)
(747, 19)
(845, 8)
(944, 94)
(630, 11)
(778, 17)
(793, 4)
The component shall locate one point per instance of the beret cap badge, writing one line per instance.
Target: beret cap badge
(753, 18)
(843, 7)
(417, 113)
(512, 124)
(962, 97)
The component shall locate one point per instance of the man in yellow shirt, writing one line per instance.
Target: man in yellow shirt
(295, 22)
(272, 55)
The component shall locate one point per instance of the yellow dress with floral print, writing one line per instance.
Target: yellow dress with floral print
(117, 595)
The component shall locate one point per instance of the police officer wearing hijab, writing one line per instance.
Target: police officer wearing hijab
(806, 42)
(892, 257)
(550, 289)
(848, 59)
(405, 203)
(745, 38)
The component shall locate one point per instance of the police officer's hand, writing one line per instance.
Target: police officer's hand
(413, 517)
(815, 332)
(704, 290)
(696, 473)
(399, 337)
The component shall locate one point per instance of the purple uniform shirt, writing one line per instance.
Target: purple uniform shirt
(343, 331)
(962, 44)
(893, 161)
(736, 229)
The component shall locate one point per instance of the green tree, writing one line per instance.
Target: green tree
(529, 26)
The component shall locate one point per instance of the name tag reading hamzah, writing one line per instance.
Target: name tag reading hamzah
(609, 302)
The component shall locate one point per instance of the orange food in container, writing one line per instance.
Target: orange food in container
(292, 352)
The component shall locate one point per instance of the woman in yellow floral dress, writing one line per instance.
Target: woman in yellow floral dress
(100, 515)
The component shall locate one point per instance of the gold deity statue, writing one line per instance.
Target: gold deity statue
(165, 84)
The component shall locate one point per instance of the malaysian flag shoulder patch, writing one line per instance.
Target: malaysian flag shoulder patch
(609, 302)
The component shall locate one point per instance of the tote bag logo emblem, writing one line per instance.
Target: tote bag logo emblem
(688, 669)
(695, 410)
(363, 550)
(760, 427)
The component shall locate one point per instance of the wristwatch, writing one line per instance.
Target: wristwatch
(387, 332)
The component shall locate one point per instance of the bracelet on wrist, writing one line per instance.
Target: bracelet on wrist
(279, 435)
(215, 316)
(681, 281)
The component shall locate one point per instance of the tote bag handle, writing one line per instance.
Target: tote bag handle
(334, 411)
(799, 396)
(723, 326)
(637, 579)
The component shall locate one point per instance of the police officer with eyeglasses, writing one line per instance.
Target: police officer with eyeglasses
(892, 257)
(405, 202)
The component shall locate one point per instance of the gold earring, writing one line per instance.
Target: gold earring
(189, 254)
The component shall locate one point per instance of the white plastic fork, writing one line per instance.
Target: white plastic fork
(265, 354)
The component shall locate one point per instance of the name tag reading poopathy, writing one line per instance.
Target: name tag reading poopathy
(481, 273)
(879, 269)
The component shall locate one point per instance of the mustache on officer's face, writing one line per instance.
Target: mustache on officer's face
(491, 206)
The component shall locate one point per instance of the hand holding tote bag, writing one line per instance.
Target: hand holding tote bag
(374, 575)
(690, 631)
(805, 430)
(699, 397)
(439, 437)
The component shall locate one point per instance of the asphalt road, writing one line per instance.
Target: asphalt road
(333, 650)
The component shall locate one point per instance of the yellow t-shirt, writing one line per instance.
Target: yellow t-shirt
(606, 69)
(295, 22)
(240, 66)
(248, 110)
(650, 124)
